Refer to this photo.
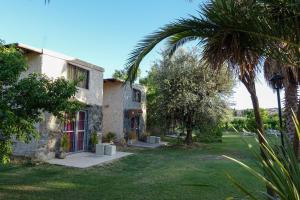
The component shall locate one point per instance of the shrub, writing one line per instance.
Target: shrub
(144, 136)
(122, 142)
(109, 137)
(132, 136)
(94, 139)
(64, 144)
(210, 134)
(247, 121)
(238, 124)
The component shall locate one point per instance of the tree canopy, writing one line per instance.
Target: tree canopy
(122, 74)
(183, 89)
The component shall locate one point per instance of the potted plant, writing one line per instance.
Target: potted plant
(144, 137)
(94, 141)
(131, 137)
(109, 137)
(64, 144)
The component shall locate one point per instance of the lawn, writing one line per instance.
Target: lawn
(166, 173)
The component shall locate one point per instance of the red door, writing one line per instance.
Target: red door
(70, 130)
(81, 131)
(75, 130)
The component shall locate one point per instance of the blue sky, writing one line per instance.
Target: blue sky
(101, 31)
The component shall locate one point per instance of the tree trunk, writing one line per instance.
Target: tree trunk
(291, 101)
(249, 83)
(258, 120)
(189, 131)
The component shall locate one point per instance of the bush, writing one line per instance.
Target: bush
(64, 143)
(247, 121)
(109, 137)
(144, 136)
(132, 136)
(238, 123)
(210, 134)
(122, 142)
(94, 139)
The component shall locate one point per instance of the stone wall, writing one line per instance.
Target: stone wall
(51, 129)
(130, 104)
(95, 118)
(95, 122)
(44, 147)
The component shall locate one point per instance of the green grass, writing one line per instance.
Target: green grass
(165, 173)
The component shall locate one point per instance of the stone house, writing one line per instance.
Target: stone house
(124, 108)
(90, 92)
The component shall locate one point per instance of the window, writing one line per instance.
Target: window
(79, 74)
(136, 94)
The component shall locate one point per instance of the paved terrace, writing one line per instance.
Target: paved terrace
(87, 159)
(148, 145)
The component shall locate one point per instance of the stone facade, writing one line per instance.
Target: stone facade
(95, 122)
(129, 104)
(51, 130)
(45, 145)
(95, 118)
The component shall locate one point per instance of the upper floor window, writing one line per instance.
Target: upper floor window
(79, 74)
(136, 94)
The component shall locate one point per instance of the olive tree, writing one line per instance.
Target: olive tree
(190, 92)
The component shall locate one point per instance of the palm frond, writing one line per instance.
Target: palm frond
(232, 31)
(272, 67)
(146, 45)
(179, 40)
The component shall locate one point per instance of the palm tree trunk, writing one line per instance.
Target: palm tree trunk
(249, 83)
(258, 119)
(291, 101)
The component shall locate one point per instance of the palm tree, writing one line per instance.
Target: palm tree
(217, 29)
(284, 14)
(290, 83)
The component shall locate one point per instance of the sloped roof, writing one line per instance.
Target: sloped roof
(116, 80)
(119, 81)
(69, 59)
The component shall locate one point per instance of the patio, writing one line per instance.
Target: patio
(87, 159)
(148, 145)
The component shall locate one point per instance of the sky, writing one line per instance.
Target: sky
(103, 32)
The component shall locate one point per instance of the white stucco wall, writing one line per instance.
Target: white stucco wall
(113, 111)
(55, 67)
(34, 61)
